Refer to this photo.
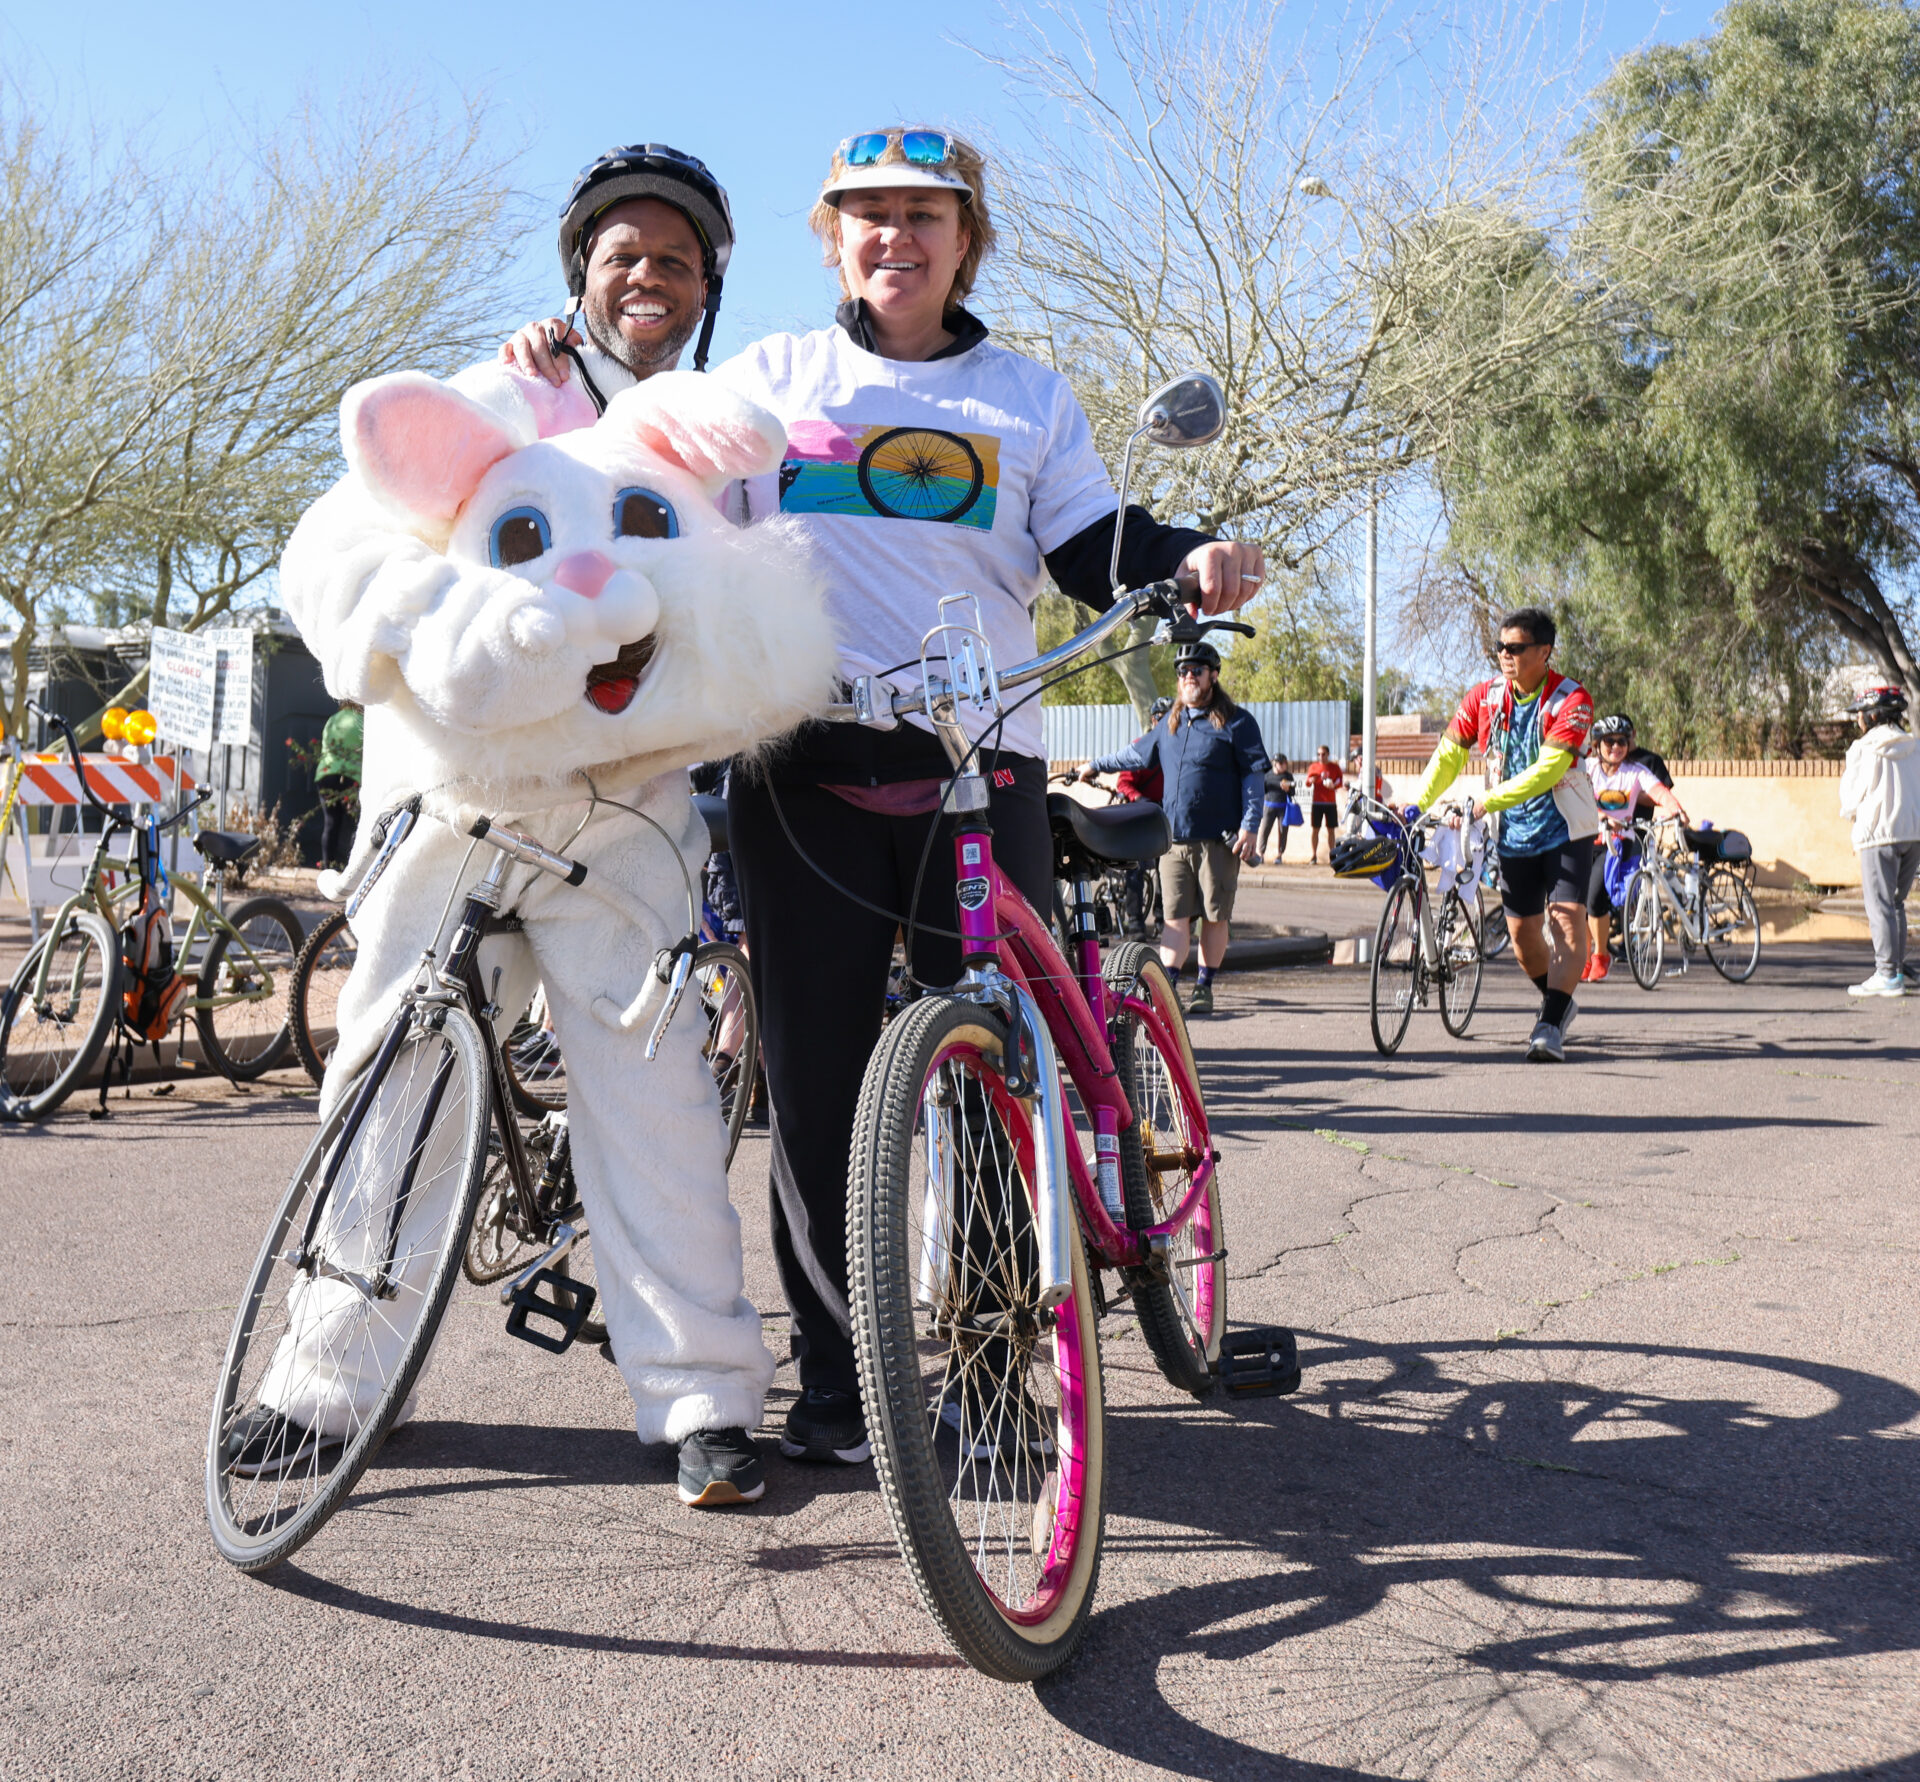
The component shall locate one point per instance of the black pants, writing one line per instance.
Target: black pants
(338, 821)
(820, 972)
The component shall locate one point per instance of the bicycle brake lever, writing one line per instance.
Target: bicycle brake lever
(682, 957)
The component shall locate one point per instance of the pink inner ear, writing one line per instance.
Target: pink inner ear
(708, 447)
(421, 446)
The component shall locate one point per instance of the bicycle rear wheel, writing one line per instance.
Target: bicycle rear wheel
(1490, 920)
(1461, 967)
(1393, 982)
(1184, 1317)
(536, 1071)
(984, 1409)
(1731, 924)
(48, 1047)
(347, 1292)
(245, 993)
(732, 1043)
(319, 975)
(1645, 937)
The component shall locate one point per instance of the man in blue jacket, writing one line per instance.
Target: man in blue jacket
(1214, 765)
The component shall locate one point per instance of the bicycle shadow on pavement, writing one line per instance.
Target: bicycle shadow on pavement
(1560, 1554)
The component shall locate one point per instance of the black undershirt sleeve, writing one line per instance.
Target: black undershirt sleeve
(1149, 552)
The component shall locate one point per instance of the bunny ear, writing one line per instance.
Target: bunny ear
(699, 426)
(419, 446)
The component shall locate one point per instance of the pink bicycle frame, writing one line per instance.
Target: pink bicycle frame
(1001, 926)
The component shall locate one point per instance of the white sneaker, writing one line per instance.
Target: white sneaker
(1547, 1044)
(1880, 985)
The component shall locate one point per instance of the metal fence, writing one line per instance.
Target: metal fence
(1292, 727)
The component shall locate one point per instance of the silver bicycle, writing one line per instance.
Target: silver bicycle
(1679, 902)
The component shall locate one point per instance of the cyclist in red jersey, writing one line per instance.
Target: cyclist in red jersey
(1531, 724)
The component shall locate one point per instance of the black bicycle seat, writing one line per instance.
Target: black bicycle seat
(1117, 832)
(223, 847)
(714, 810)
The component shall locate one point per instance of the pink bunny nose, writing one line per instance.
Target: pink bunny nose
(585, 572)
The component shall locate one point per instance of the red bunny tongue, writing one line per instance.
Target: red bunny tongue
(612, 685)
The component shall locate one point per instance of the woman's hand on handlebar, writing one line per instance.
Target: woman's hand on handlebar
(533, 350)
(1224, 575)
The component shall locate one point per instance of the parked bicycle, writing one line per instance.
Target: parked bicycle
(1126, 898)
(1418, 953)
(1684, 897)
(112, 966)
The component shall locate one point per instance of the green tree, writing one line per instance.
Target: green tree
(1717, 474)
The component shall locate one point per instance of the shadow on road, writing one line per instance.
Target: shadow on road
(1595, 1525)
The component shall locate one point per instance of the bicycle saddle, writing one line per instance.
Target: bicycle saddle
(1117, 832)
(223, 847)
(714, 810)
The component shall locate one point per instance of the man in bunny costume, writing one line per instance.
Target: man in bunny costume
(540, 627)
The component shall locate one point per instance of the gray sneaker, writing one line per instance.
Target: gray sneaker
(1547, 1044)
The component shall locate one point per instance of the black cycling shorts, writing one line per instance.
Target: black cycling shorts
(1529, 882)
(1326, 815)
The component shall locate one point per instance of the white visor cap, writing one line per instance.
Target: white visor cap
(880, 176)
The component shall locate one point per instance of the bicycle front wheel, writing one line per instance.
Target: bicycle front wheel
(1184, 1317)
(984, 1408)
(1392, 986)
(347, 1292)
(1461, 967)
(48, 1043)
(1731, 924)
(319, 975)
(1645, 939)
(243, 1004)
(732, 1043)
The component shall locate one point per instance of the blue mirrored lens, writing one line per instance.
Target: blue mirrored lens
(863, 151)
(924, 148)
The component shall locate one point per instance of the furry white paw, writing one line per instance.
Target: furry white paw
(537, 630)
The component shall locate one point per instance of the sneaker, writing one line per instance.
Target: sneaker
(1586, 971)
(826, 1424)
(993, 1436)
(1201, 1002)
(1547, 1044)
(265, 1444)
(1880, 984)
(1598, 967)
(1567, 1020)
(720, 1466)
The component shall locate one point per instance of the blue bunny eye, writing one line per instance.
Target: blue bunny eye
(519, 535)
(639, 513)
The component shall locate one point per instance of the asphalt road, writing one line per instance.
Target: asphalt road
(1604, 1466)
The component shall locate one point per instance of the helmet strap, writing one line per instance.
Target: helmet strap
(706, 326)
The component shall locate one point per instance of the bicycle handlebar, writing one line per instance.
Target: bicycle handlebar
(106, 810)
(528, 851)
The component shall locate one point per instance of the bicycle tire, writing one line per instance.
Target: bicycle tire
(46, 1053)
(1015, 1487)
(536, 1067)
(1187, 1349)
(233, 1036)
(915, 480)
(1393, 978)
(325, 962)
(1734, 959)
(727, 1001)
(1644, 937)
(1461, 960)
(1495, 936)
(409, 1090)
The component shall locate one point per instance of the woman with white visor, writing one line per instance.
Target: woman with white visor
(923, 459)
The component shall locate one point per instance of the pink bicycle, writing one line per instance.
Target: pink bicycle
(981, 1225)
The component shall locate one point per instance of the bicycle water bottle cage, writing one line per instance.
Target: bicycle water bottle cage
(969, 657)
(1263, 1363)
(569, 1307)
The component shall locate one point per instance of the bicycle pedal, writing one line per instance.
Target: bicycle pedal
(1262, 1363)
(571, 1302)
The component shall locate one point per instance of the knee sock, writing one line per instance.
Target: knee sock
(1553, 1006)
(1540, 982)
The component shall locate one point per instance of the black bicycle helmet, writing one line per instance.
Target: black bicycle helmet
(1619, 724)
(1882, 704)
(1362, 856)
(650, 170)
(1160, 708)
(1199, 651)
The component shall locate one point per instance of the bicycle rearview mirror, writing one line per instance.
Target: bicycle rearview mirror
(1191, 411)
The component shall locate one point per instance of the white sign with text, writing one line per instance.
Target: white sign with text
(182, 687)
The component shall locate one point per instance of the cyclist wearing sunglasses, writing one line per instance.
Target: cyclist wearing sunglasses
(1531, 724)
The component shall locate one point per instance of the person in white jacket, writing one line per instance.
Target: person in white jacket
(1880, 791)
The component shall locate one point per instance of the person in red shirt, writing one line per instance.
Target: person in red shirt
(1325, 779)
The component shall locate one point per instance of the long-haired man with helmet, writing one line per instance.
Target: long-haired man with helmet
(1880, 791)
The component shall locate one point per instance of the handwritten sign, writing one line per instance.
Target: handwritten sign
(233, 686)
(182, 686)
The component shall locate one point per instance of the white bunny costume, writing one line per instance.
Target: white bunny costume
(515, 613)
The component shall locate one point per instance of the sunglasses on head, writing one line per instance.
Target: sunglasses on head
(923, 148)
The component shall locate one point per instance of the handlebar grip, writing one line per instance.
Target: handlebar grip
(528, 851)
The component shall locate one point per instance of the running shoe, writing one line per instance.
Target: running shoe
(1598, 967)
(1547, 1045)
(1201, 1002)
(1566, 1020)
(1880, 984)
(1000, 1429)
(720, 1466)
(264, 1444)
(1586, 971)
(825, 1424)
